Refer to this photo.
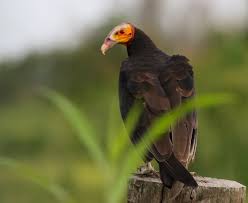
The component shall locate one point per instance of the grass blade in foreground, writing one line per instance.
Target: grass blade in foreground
(121, 141)
(162, 124)
(26, 172)
(79, 122)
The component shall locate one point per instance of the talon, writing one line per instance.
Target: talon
(147, 170)
(193, 173)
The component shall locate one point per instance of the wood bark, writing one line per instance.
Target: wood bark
(210, 190)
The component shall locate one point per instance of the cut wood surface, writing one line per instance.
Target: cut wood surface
(210, 190)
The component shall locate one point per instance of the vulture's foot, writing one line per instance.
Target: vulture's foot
(147, 170)
(193, 173)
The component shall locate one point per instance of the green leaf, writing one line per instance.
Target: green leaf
(119, 143)
(30, 174)
(80, 123)
(113, 128)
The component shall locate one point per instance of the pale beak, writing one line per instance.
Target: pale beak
(107, 44)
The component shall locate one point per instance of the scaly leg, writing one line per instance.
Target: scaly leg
(147, 169)
(193, 173)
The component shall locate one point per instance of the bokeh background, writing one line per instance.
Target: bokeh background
(56, 44)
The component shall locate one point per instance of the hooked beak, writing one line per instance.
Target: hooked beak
(107, 44)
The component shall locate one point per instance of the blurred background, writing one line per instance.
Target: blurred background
(56, 44)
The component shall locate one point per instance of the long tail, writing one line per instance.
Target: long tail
(172, 170)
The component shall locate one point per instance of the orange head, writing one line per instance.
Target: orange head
(121, 34)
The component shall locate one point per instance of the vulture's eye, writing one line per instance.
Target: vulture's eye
(122, 32)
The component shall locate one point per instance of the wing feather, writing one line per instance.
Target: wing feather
(161, 91)
(146, 86)
(180, 88)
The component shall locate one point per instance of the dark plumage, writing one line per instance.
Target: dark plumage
(161, 82)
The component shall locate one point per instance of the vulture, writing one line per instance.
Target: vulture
(161, 82)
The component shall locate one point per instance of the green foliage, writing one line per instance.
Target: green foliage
(33, 176)
(81, 124)
(116, 172)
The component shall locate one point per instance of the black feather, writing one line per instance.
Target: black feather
(172, 169)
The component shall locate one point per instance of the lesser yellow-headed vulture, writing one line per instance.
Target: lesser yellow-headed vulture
(161, 82)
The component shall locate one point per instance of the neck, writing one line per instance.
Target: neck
(141, 44)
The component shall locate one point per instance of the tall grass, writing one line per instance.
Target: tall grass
(117, 158)
(36, 178)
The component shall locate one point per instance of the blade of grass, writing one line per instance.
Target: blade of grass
(112, 127)
(33, 176)
(121, 141)
(161, 125)
(80, 123)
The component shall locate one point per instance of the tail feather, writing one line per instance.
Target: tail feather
(172, 170)
(165, 177)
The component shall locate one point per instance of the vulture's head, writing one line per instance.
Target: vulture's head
(121, 34)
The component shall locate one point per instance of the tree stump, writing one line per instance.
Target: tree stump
(210, 190)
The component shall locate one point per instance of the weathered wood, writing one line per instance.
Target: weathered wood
(210, 190)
